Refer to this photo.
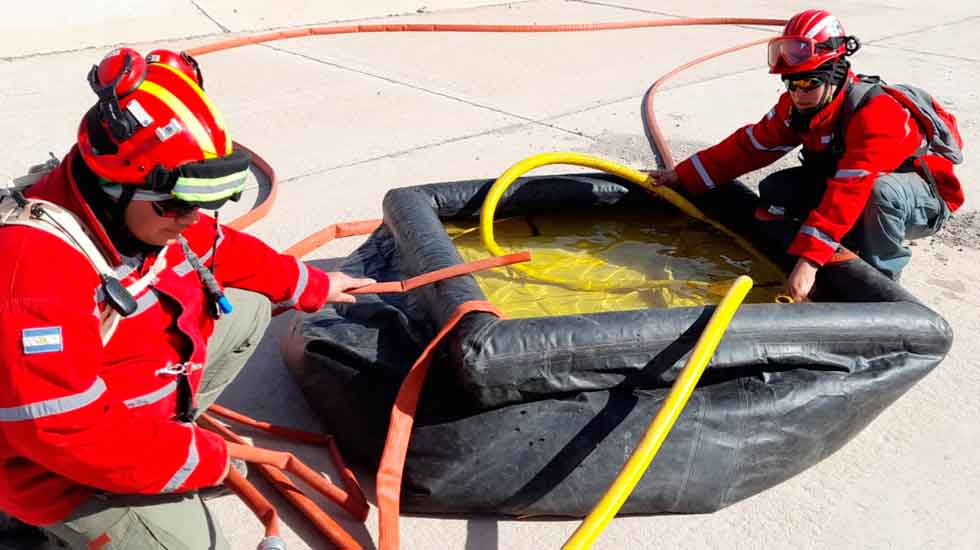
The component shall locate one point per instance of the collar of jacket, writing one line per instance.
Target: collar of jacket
(61, 188)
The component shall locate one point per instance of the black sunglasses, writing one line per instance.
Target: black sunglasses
(805, 84)
(173, 208)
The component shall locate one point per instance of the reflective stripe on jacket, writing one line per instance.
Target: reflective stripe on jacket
(78, 416)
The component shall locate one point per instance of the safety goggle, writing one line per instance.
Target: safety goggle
(803, 84)
(206, 184)
(791, 51)
(173, 208)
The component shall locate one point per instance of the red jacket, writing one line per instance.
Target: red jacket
(879, 137)
(86, 416)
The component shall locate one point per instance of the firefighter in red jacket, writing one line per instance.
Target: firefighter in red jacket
(109, 293)
(866, 196)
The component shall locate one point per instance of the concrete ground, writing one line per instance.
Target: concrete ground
(345, 118)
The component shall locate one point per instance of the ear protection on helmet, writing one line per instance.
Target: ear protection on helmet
(122, 124)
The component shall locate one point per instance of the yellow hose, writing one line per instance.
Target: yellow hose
(640, 178)
(614, 498)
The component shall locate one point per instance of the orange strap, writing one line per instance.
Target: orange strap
(390, 470)
(331, 232)
(444, 273)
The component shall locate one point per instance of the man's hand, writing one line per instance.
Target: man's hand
(666, 178)
(800, 282)
(340, 283)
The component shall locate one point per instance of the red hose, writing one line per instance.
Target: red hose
(657, 141)
(427, 27)
(255, 500)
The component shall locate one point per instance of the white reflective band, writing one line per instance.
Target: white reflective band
(824, 23)
(124, 270)
(696, 160)
(144, 303)
(760, 147)
(820, 235)
(188, 468)
(850, 173)
(51, 407)
(301, 282)
(152, 397)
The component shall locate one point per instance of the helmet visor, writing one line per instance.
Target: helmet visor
(790, 51)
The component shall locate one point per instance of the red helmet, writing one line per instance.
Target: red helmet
(181, 61)
(153, 127)
(810, 39)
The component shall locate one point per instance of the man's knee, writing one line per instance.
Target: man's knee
(887, 193)
(249, 319)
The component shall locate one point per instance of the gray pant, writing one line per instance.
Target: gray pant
(174, 522)
(901, 207)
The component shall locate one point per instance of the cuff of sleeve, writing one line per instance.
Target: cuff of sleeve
(690, 179)
(811, 248)
(213, 453)
(317, 290)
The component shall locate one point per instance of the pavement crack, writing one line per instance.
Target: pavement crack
(663, 13)
(403, 152)
(208, 15)
(244, 32)
(418, 88)
(921, 52)
(922, 29)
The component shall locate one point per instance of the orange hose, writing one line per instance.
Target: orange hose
(296, 435)
(295, 466)
(658, 143)
(427, 27)
(260, 210)
(323, 523)
(354, 490)
(255, 500)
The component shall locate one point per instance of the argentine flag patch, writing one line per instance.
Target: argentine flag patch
(41, 340)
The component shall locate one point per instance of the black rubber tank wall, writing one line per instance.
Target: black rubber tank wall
(536, 416)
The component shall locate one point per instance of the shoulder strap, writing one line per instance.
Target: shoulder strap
(857, 95)
(57, 221)
(61, 223)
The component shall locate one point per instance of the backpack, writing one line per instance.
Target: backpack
(944, 144)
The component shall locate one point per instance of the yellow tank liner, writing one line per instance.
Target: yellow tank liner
(612, 259)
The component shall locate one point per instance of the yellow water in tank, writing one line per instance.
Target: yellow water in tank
(611, 259)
